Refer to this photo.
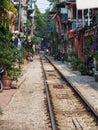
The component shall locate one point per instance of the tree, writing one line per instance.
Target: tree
(40, 23)
(3, 6)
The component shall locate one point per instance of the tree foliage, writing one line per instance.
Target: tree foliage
(40, 23)
(6, 48)
(3, 5)
(12, 8)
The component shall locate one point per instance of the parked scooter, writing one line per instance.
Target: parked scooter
(1, 74)
(57, 56)
(90, 65)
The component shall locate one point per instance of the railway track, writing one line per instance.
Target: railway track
(67, 110)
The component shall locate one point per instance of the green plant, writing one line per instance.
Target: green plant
(12, 8)
(7, 57)
(20, 59)
(8, 53)
(14, 73)
(82, 68)
(75, 62)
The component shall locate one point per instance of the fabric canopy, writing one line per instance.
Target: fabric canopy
(86, 4)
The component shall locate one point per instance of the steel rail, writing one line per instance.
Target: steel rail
(53, 123)
(89, 106)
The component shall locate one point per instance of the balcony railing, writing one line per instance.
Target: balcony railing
(79, 23)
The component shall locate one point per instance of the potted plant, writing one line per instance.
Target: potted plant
(11, 74)
(14, 73)
(75, 63)
(8, 55)
(82, 68)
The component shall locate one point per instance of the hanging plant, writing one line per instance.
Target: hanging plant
(5, 8)
(12, 8)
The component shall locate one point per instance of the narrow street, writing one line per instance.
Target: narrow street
(26, 110)
(48, 65)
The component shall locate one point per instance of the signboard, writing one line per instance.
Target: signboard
(87, 4)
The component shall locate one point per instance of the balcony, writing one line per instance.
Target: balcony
(79, 24)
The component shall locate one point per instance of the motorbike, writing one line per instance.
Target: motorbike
(57, 56)
(90, 65)
(1, 74)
